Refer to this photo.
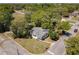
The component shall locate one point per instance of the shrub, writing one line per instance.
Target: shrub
(53, 35)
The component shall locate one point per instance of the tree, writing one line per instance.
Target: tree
(45, 26)
(21, 28)
(38, 23)
(64, 25)
(28, 17)
(53, 35)
(18, 6)
(5, 17)
(37, 16)
(72, 45)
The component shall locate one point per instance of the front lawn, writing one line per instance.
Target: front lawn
(33, 46)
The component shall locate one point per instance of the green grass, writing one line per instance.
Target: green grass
(18, 16)
(33, 46)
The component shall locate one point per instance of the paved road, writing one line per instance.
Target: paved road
(10, 47)
(58, 47)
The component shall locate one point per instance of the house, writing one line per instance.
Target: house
(75, 13)
(65, 19)
(39, 33)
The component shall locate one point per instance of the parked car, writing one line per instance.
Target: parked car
(66, 33)
(75, 30)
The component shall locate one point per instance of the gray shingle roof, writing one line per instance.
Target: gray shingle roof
(39, 32)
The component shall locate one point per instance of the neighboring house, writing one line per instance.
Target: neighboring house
(65, 19)
(39, 33)
(71, 15)
(75, 13)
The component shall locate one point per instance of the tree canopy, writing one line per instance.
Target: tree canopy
(47, 16)
(72, 45)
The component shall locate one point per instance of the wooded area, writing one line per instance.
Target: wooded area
(47, 16)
